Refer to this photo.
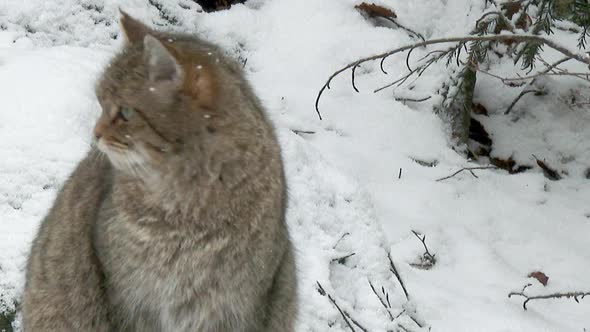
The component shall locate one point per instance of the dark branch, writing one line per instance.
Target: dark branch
(352, 78)
(397, 275)
(575, 295)
(515, 38)
(300, 132)
(342, 259)
(323, 292)
(417, 100)
(524, 92)
(382, 302)
(355, 322)
(399, 81)
(428, 259)
(470, 169)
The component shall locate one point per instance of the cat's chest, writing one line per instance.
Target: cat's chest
(163, 272)
(156, 257)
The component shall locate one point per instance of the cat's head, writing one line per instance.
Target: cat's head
(156, 94)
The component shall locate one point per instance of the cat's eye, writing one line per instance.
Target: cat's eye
(125, 113)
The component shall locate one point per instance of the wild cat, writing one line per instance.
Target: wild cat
(176, 222)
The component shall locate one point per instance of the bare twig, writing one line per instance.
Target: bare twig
(549, 70)
(524, 92)
(342, 259)
(418, 100)
(397, 275)
(352, 78)
(428, 259)
(470, 169)
(425, 163)
(399, 81)
(403, 328)
(323, 292)
(300, 132)
(410, 31)
(520, 80)
(400, 314)
(508, 37)
(340, 239)
(355, 322)
(408, 59)
(393, 270)
(575, 295)
(381, 300)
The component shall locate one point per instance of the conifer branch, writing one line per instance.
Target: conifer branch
(538, 40)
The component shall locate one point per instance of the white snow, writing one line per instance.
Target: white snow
(345, 193)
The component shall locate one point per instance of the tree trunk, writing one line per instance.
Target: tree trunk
(457, 104)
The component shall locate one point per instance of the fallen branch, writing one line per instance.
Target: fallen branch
(427, 260)
(340, 239)
(355, 322)
(397, 275)
(342, 260)
(504, 37)
(323, 292)
(575, 295)
(470, 169)
(404, 100)
(387, 305)
(395, 272)
(300, 132)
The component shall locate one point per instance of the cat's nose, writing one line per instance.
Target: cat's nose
(98, 130)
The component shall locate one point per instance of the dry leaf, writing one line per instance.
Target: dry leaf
(374, 10)
(549, 172)
(479, 109)
(540, 276)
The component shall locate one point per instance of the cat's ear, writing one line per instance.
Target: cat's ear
(133, 30)
(161, 64)
(202, 85)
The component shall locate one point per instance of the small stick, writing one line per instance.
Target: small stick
(340, 239)
(423, 240)
(341, 259)
(524, 92)
(299, 132)
(403, 100)
(355, 322)
(323, 293)
(354, 85)
(470, 169)
(528, 298)
(381, 300)
(403, 327)
(400, 80)
(397, 275)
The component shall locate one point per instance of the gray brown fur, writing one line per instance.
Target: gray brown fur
(178, 224)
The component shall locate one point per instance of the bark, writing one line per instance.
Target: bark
(457, 105)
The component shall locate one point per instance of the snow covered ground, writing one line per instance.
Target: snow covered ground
(346, 196)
